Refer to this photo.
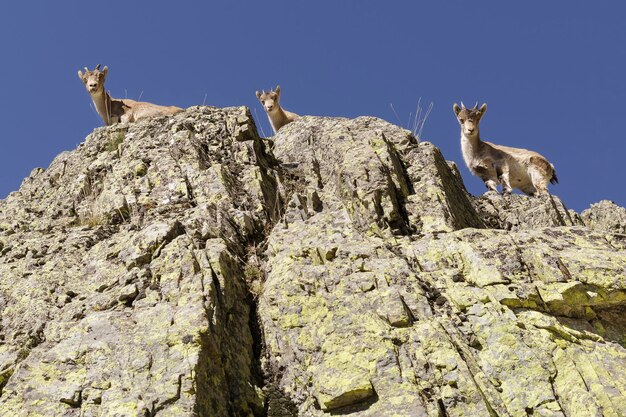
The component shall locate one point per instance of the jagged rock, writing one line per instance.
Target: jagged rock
(459, 307)
(177, 267)
(358, 161)
(519, 212)
(607, 216)
(439, 202)
(122, 277)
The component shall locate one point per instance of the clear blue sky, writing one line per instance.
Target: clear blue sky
(553, 73)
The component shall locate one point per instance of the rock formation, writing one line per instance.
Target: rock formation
(184, 266)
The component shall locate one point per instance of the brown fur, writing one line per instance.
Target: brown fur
(119, 110)
(518, 168)
(277, 115)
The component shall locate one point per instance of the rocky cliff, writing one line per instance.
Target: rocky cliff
(183, 266)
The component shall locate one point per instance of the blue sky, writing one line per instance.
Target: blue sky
(553, 73)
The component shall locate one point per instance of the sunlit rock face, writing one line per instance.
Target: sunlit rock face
(184, 266)
(122, 272)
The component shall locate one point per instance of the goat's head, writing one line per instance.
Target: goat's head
(270, 99)
(93, 80)
(469, 118)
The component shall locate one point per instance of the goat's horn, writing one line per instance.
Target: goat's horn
(475, 106)
(98, 67)
(462, 105)
(86, 70)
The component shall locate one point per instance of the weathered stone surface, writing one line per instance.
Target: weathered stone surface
(439, 202)
(519, 212)
(607, 216)
(460, 307)
(122, 272)
(176, 267)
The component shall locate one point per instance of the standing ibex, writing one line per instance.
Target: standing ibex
(277, 115)
(113, 110)
(497, 164)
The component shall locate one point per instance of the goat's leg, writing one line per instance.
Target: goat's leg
(542, 188)
(485, 171)
(540, 181)
(503, 177)
(491, 185)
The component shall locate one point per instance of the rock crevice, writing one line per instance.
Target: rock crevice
(182, 266)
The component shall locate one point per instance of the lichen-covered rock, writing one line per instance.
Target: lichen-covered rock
(122, 272)
(439, 202)
(606, 216)
(176, 267)
(519, 212)
(358, 161)
(459, 306)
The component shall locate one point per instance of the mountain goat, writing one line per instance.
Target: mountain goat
(518, 168)
(114, 110)
(277, 115)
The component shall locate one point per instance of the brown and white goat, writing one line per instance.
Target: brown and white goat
(114, 110)
(518, 168)
(277, 115)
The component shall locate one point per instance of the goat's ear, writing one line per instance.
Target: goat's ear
(258, 95)
(483, 109)
(277, 89)
(80, 75)
(456, 109)
(105, 70)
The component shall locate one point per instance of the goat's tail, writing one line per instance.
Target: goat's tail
(554, 179)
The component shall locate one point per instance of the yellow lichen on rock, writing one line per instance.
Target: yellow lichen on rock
(191, 268)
